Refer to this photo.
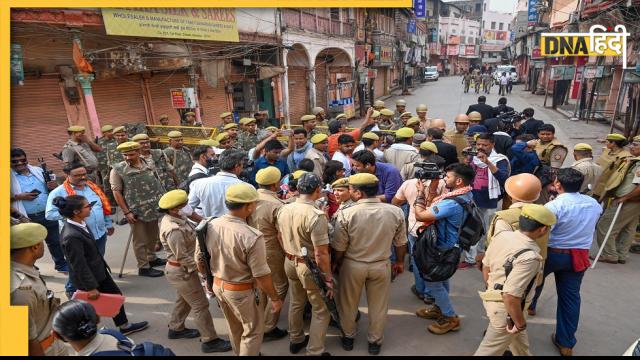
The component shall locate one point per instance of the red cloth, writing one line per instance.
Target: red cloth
(333, 141)
(106, 205)
(580, 259)
(333, 205)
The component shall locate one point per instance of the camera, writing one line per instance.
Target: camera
(427, 171)
(213, 166)
(470, 152)
(247, 170)
(510, 117)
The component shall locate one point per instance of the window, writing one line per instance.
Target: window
(501, 26)
(470, 40)
(478, 8)
(509, 27)
(335, 13)
(493, 25)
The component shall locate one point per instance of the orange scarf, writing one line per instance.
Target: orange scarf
(106, 205)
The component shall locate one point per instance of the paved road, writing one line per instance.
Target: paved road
(610, 306)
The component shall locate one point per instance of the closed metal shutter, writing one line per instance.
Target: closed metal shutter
(119, 100)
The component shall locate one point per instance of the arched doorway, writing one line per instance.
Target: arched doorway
(298, 65)
(335, 86)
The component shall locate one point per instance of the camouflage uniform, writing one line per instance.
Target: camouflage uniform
(159, 162)
(142, 190)
(181, 162)
(113, 155)
(247, 141)
(103, 165)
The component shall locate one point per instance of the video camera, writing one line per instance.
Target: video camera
(428, 171)
(470, 152)
(248, 168)
(510, 117)
(213, 166)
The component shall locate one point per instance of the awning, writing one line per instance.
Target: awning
(270, 71)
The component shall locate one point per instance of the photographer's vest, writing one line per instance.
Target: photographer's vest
(545, 153)
(618, 175)
(142, 190)
(610, 163)
(459, 140)
(512, 217)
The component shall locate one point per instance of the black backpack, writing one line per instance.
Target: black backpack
(472, 230)
(185, 184)
(434, 264)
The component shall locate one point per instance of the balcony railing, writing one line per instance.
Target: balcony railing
(303, 20)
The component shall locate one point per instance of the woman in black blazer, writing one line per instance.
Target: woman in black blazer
(87, 269)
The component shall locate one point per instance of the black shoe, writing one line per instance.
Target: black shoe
(622, 262)
(295, 348)
(151, 272)
(347, 343)
(133, 328)
(157, 262)
(216, 345)
(183, 334)
(275, 334)
(374, 349)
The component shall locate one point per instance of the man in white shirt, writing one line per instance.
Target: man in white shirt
(370, 141)
(504, 81)
(208, 194)
(347, 143)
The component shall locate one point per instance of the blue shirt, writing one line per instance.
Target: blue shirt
(577, 216)
(28, 183)
(262, 163)
(389, 180)
(206, 196)
(449, 216)
(97, 221)
(523, 161)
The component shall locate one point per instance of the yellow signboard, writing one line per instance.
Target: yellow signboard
(175, 23)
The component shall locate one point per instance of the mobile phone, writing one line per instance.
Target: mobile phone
(35, 191)
(287, 132)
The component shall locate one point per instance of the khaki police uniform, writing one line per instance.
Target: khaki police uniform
(526, 267)
(238, 255)
(591, 172)
(179, 241)
(29, 289)
(552, 153)
(264, 219)
(302, 224)
(508, 220)
(100, 343)
(624, 229)
(610, 161)
(319, 161)
(400, 157)
(365, 232)
(459, 140)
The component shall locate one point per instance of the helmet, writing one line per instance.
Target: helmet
(474, 115)
(401, 103)
(523, 187)
(378, 104)
(422, 108)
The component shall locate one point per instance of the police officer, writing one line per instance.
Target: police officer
(80, 149)
(425, 122)
(550, 150)
(510, 269)
(522, 189)
(458, 136)
(232, 130)
(386, 121)
(113, 155)
(158, 161)
(610, 160)
(624, 188)
(318, 153)
(29, 289)
(227, 118)
(401, 108)
(264, 219)
(475, 118)
(302, 224)
(103, 166)
(583, 154)
(239, 264)
(137, 190)
(248, 138)
(179, 241)
(378, 105)
(178, 156)
(320, 114)
(363, 236)
(190, 119)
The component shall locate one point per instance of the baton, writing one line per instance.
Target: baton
(126, 250)
(615, 217)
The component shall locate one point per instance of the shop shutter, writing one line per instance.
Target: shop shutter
(38, 120)
(213, 102)
(298, 93)
(380, 83)
(160, 85)
(119, 100)
(321, 86)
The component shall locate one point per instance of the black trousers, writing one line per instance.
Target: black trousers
(108, 286)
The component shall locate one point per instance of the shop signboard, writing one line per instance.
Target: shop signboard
(532, 15)
(17, 68)
(183, 98)
(420, 8)
(452, 50)
(593, 72)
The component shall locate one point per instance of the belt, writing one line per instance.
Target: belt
(38, 214)
(46, 343)
(560, 251)
(294, 258)
(174, 263)
(232, 287)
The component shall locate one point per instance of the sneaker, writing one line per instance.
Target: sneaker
(465, 265)
(183, 334)
(157, 262)
(216, 345)
(133, 328)
(295, 348)
(347, 343)
(151, 272)
(444, 325)
(430, 313)
(275, 334)
(374, 349)
(416, 293)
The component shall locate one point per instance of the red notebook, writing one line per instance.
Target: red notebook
(107, 305)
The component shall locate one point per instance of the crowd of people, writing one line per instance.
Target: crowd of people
(250, 218)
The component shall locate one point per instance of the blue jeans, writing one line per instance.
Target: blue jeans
(53, 241)
(568, 288)
(69, 288)
(440, 291)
